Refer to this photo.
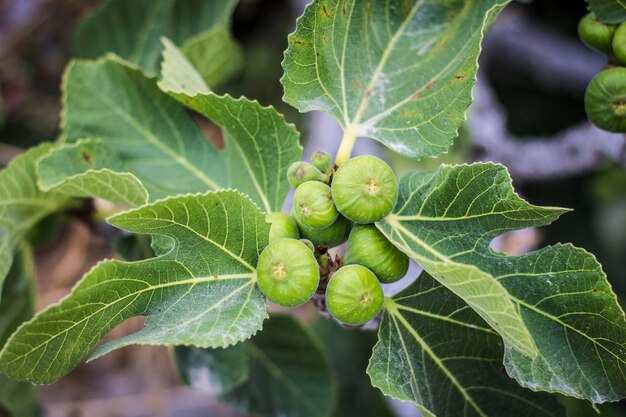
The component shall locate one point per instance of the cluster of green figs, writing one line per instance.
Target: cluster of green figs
(331, 206)
(605, 98)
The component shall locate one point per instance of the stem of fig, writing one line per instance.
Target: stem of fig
(347, 145)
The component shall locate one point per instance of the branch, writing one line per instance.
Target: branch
(578, 149)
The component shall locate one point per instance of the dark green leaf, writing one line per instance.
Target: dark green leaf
(286, 372)
(562, 326)
(201, 293)
(132, 30)
(22, 203)
(17, 399)
(436, 352)
(152, 138)
(608, 11)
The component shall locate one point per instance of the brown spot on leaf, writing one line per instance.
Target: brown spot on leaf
(416, 95)
(430, 85)
(86, 156)
(325, 12)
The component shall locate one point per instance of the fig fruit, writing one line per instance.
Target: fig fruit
(322, 161)
(313, 205)
(287, 272)
(308, 244)
(367, 246)
(364, 189)
(596, 35)
(282, 226)
(605, 100)
(331, 236)
(301, 172)
(619, 43)
(354, 295)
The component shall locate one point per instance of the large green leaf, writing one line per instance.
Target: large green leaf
(265, 144)
(17, 399)
(89, 168)
(400, 72)
(150, 136)
(555, 302)
(201, 293)
(439, 354)
(608, 11)
(139, 24)
(282, 371)
(22, 203)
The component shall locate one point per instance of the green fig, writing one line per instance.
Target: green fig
(596, 35)
(313, 205)
(364, 189)
(282, 226)
(301, 172)
(322, 161)
(308, 244)
(367, 246)
(331, 236)
(619, 43)
(287, 272)
(354, 295)
(605, 100)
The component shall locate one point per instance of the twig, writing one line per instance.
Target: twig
(578, 149)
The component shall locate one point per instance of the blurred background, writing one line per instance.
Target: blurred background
(528, 114)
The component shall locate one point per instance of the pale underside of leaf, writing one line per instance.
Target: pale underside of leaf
(446, 219)
(437, 353)
(396, 71)
(200, 293)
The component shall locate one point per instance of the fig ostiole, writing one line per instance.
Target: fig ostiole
(313, 205)
(301, 172)
(282, 226)
(367, 246)
(322, 161)
(288, 273)
(605, 100)
(596, 35)
(331, 236)
(354, 295)
(364, 189)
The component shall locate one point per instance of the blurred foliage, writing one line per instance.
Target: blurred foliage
(350, 352)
